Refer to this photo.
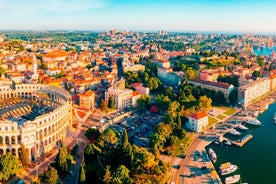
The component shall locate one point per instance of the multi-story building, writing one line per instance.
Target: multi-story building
(198, 121)
(140, 88)
(169, 77)
(247, 94)
(121, 95)
(134, 68)
(225, 88)
(87, 99)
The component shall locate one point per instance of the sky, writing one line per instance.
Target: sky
(254, 16)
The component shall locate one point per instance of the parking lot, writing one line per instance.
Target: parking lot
(139, 127)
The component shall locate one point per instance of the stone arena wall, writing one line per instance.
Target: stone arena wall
(46, 131)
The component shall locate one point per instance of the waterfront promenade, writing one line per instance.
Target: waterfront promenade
(190, 165)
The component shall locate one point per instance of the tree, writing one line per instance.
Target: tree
(256, 74)
(204, 103)
(82, 175)
(144, 101)
(111, 102)
(103, 105)
(8, 166)
(260, 62)
(2, 72)
(174, 109)
(50, 176)
(110, 136)
(75, 150)
(178, 121)
(92, 134)
(121, 175)
(24, 156)
(107, 178)
(61, 163)
(153, 83)
(233, 97)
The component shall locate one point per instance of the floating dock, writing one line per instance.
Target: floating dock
(243, 140)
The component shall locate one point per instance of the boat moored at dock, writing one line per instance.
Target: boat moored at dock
(233, 179)
(227, 168)
(253, 121)
(212, 155)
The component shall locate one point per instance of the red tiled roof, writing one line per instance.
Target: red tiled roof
(216, 84)
(199, 115)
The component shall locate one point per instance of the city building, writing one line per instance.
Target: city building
(198, 121)
(169, 77)
(248, 93)
(140, 88)
(121, 95)
(87, 99)
(225, 88)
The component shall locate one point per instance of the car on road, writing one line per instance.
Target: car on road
(192, 175)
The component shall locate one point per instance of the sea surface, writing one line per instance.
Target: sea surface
(266, 51)
(256, 160)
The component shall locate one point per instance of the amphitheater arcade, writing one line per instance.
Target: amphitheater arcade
(40, 134)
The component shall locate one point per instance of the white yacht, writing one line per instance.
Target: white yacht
(253, 121)
(227, 168)
(213, 155)
(234, 132)
(275, 116)
(229, 143)
(242, 127)
(233, 179)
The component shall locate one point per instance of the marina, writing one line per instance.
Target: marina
(250, 156)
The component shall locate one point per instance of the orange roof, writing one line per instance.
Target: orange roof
(136, 93)
(199, 115)
(56, 53)
(87, 93)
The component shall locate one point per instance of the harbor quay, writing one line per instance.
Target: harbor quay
(191, 170)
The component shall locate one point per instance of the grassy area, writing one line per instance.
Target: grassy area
(230, 112)
(212, 121)
(221, 117)
(182, 145)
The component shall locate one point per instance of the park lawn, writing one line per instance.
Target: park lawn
(211, 121)
(230, 112)
(221, 117)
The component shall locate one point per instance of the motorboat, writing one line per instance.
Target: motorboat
(233, 179)
(234, 132)
(216, 142)
(275, 116)
(212, 155)
(253, 121)
(242, 127)
(229, 143)
(227, 168)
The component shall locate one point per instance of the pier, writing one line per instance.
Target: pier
(244, 140)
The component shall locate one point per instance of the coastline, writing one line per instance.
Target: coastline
(202, 140)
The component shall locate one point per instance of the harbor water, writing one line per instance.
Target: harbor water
(256, 160)
(265, 51)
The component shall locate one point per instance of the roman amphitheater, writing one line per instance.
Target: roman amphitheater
(35, 115)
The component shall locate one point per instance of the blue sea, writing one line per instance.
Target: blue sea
(266, 51)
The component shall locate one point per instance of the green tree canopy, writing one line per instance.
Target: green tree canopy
(121, 175)
(204, 103)
(110, 136)
(8, 166)
(103, 105)
(50, 176)
(82, 175)
(144, 101)
(153, 83)
(111, 102)
(24, 156)
(61, 161)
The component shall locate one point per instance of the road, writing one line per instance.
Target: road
(190, 165)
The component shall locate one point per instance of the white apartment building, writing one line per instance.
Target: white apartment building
(250, 92)
(121, 95)
(198, 121)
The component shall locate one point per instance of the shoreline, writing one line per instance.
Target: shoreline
(271, 99)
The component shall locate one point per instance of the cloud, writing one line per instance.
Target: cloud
(28, 7)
